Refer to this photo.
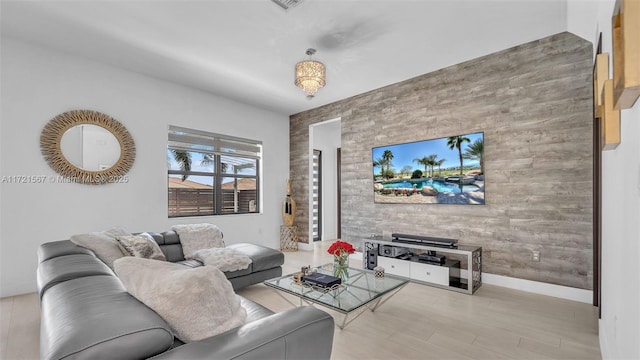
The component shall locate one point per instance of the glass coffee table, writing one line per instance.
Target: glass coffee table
(361, 292)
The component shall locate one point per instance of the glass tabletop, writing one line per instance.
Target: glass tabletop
(361, 288)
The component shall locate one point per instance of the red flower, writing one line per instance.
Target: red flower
(340, 247)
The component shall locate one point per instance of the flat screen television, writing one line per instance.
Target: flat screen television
(447, 170)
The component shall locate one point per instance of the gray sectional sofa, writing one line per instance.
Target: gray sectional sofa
(266, 263)
(86, 313)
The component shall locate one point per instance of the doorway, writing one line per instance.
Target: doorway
(324, 184)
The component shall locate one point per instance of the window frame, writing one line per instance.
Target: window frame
(218, 146)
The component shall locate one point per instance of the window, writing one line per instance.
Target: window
(212, 174)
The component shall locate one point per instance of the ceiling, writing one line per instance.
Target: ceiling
(247, 49)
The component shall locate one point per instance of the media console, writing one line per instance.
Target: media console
(431, 261)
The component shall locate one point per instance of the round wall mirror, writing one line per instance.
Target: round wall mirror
(88, 147)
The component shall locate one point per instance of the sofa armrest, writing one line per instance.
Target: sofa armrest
(300, 333)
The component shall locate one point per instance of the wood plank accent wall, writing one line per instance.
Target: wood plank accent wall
(533, 103)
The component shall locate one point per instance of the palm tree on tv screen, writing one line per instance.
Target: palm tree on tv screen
(432, 161)
(439, 163)
(429, 162)
(379, 162)
(456, 142)
(423, 161)
(475, 151)
(387, 156)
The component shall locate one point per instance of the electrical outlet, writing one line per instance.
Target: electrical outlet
(535, 256)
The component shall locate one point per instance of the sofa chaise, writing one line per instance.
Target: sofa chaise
(87, 313)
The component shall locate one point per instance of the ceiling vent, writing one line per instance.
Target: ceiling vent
(286, 4)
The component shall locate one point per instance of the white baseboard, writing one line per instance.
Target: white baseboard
(536, 287)
(604, 344)
(559, 291)
(306, 247)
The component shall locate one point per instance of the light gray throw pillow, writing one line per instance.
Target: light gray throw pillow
(225, 259)
(194, 237)
(102, 243)
(196, 302)
(141, 245)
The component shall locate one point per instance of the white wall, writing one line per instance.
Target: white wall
(326, 138)
(620, 322)
(38, 84)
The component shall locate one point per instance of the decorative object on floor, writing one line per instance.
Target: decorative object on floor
(310, 75)
(288, 231)
(341, 251)
(87, 124)
(288, 238)
(625, 32)
(378, 272)
(174, 291)
(289, 207)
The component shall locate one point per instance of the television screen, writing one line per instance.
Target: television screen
(448, 170)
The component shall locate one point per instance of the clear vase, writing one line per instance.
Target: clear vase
(341, 267)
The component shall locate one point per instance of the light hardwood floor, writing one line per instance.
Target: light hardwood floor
(420, 322)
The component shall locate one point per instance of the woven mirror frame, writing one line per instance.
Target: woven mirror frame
(52, 135)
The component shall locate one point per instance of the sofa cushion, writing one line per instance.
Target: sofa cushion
(254, 310)
(53, 249)
(63, 268)
(262, 257)
(94, 317)
(141, 245)
(174, 292)
(170, 245)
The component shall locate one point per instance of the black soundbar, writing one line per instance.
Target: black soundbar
(425, 240)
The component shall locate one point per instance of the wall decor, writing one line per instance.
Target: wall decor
(73, 138)
(626, 53)
(603, 102)
(289, 207)
(600, 74)
(610, 118)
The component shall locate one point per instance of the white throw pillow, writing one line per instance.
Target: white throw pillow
(225, 259)
(141, 245)
(196, 302)
(102, 243)
(194, 237)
